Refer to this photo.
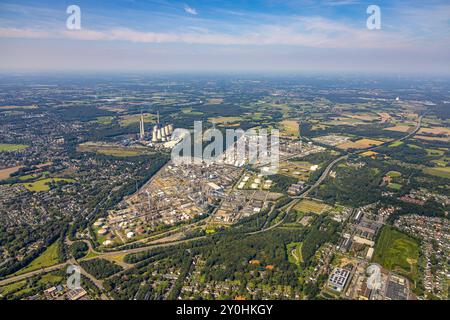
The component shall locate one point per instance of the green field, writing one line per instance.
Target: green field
(111, 150)
(90, 255)
(105, 120)
(225, 120)
(397, 252)
(395, 144)
(442, 162)
(13, 287)
(435, 152)
(43, 184)
(50, 279)
(12, 147)
(443, 172)
(394, 186)
(26, 177)
(393, 174)
(189, 110)
(18, 289)
(413, 146)
(210, 230)
(117, 152)
(135, 118)
(48, 258)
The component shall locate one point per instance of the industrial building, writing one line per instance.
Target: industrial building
(160, 133)
(338, 279)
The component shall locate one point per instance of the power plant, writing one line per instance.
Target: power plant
(160, 132)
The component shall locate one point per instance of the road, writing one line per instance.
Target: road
(32, 273)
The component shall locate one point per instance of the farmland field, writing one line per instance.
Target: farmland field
(369, 117)
(428, 138)
(369, 154)
(289, 128)
(105, 120)
(6, 173)
(215, 101)
(435, 152)
(111, 150)
(442, 162)
(443, 172)
(308, 206)
(360, 144)
(401, 128)
(435, 131)
(224, 120)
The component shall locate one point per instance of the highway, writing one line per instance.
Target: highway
(32, 273)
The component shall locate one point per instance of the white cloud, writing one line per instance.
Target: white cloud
(312, 32)
(25, 33)
(190, 10)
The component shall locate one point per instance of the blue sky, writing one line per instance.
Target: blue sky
(239, 35)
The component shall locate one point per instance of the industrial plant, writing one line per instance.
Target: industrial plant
(159, 134)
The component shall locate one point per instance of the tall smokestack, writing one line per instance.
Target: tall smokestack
(141, 128)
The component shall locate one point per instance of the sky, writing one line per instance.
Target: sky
(237, 35)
